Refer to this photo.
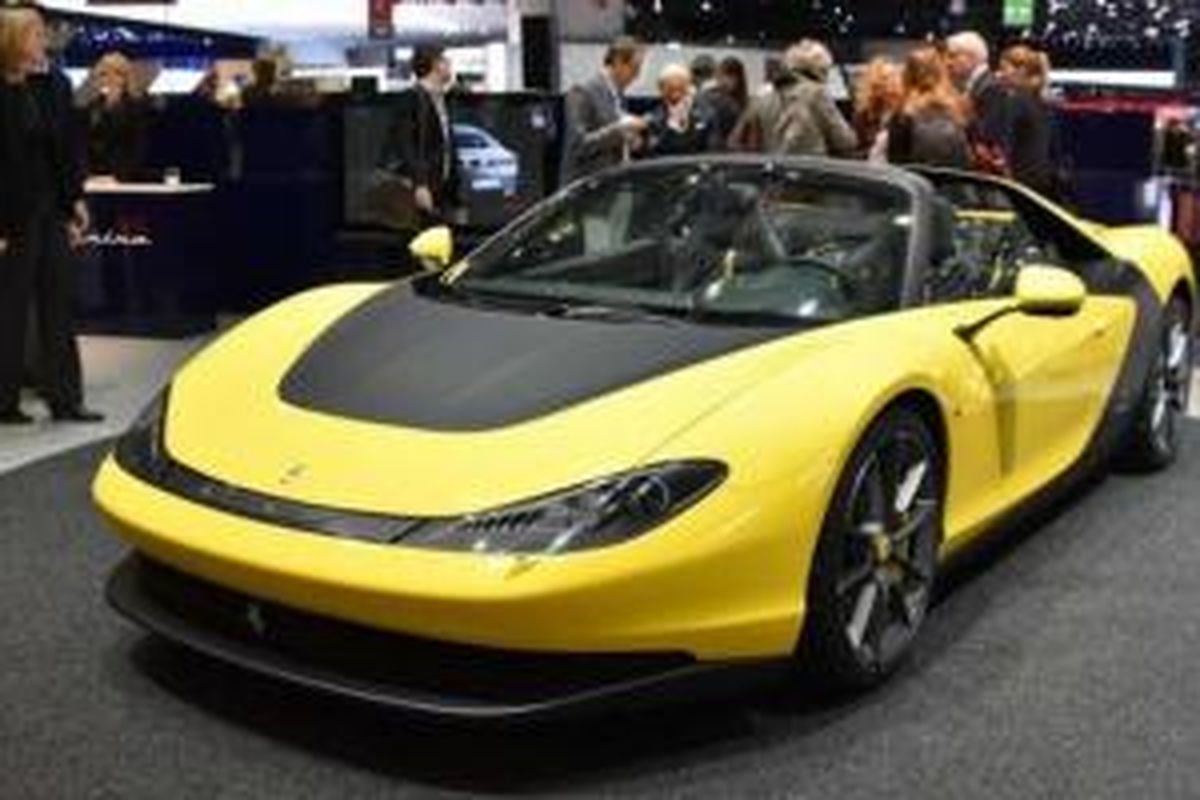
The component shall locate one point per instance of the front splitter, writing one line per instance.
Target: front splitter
(436, 681)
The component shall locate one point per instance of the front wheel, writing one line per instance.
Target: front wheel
(1153, 441)
(874, 568)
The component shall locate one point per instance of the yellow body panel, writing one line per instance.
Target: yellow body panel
(232, 389)
(1159, 255)
(706, 583)
(723, 580)
(727, 578)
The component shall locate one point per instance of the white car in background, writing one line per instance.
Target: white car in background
(488, 164)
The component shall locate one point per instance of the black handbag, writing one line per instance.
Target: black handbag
(390, 201)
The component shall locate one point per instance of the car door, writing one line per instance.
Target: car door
(1050, 377)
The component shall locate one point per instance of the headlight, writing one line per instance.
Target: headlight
(141, 451)
(600, 514)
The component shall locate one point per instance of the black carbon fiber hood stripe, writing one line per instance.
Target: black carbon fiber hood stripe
(412, 361)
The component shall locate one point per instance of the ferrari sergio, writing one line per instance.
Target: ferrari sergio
(683, 421)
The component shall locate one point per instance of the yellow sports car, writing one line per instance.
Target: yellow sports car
(683, 422)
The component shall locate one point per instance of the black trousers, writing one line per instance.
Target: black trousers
(37, 274)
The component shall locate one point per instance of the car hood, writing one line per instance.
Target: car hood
(387, 401)
(409, 361)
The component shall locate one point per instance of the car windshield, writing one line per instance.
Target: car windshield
(722, 243)
(469, 140)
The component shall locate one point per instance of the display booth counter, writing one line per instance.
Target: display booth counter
(106, 188)
(147, 262)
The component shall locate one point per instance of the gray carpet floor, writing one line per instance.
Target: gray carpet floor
(1064, 662)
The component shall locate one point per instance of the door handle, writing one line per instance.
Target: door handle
(1101, 329)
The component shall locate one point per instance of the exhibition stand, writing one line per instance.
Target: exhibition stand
(147, 266)
(274, 198)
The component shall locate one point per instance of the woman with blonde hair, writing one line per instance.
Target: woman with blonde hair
(1025, 72)
(117, 120)
(41, 212)
(114, 75)
(931, 125)
(877, 97)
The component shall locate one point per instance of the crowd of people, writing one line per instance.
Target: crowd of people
(49, 143)
(944, 105)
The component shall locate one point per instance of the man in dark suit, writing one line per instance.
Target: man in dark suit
(599, 132)
(420, 145)
(970, 67)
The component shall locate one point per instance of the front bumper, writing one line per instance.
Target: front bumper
(720, 583)
(417, 676)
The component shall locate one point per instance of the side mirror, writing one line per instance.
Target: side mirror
(433, 248)
(1049, 292)
(1041, 292)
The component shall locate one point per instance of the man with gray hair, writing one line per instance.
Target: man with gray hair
(679, 125)
(798, 116)
(969, 63)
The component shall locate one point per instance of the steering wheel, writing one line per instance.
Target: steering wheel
(845, 284)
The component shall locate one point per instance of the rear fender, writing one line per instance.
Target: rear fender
(1161, 257)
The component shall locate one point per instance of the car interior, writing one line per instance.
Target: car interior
(780, 246)
(985, 234)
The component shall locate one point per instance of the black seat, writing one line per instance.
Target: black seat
(951, 274)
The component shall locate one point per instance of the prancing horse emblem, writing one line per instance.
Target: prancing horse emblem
(293, 474)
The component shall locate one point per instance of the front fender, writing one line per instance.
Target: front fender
(788, 438)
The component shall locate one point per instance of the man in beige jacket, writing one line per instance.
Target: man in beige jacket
(798, 116)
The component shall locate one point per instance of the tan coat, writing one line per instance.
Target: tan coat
(797, 119)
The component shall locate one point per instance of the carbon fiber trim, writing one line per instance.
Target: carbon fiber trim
(178, 479)
(438, 680)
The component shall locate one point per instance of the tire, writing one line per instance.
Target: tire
(876, 560)
(1153, 440)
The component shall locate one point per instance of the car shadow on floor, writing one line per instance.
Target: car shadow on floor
(592, 752)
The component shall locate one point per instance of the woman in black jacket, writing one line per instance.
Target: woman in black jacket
(930, 127)
(117, 121)
(1024, 71)
(41, 211)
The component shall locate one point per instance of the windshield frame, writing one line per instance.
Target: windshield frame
(917, 190)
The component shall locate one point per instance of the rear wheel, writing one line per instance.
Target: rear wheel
(874, 568)
(1153, 441)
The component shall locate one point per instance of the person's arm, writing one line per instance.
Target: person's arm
(586, 137)
(72, 138)
(74, 169)
(1020, 122)
(746, 136)
(657, 131)
(455, 196)
(713, 140)
(840, 138)
(407, 153)
(900, 139)
(6, 168)
(994, 116)
(401, 152)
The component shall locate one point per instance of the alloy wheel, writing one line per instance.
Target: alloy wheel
(1172, 383)
(889, 554)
